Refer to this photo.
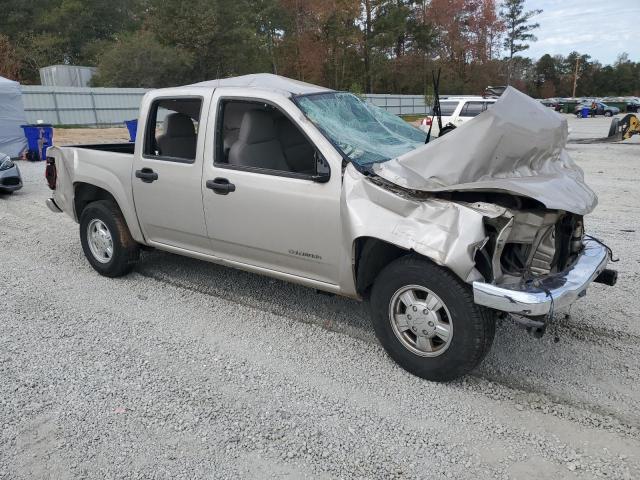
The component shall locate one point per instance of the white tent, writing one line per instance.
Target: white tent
(12, 139)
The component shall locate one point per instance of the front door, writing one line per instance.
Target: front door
(270, 200)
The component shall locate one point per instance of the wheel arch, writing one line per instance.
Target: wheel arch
(371, 255)
(84, 193)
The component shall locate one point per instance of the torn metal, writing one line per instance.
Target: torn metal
(450, 233)
(517, 146)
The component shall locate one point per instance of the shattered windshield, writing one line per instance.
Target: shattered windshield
(364, 133)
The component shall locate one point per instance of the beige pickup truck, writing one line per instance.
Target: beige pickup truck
(317, 187)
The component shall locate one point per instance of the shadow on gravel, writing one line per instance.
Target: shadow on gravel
(282, 298)
(558, 369)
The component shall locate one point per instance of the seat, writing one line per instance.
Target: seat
(179, 138)
(231, 128)
(296, 148)
(257, 144)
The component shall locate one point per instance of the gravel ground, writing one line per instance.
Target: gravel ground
(185, 369)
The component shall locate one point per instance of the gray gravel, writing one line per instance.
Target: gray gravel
(185, 369)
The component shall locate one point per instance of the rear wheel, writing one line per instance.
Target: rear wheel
(426, 320)
(106, 240)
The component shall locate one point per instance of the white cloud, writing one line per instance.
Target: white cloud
(600, 28)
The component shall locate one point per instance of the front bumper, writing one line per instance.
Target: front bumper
(539, 296)
(10, 179)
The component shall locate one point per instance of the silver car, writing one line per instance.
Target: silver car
(10, 179)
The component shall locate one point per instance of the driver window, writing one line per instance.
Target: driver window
(259, 135)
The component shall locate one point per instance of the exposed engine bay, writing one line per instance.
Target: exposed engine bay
(525, 244)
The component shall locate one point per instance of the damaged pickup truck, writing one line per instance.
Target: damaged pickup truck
(314, 186)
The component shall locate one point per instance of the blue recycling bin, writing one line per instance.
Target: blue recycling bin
(585, 112)
(39, 138)
(132, 126)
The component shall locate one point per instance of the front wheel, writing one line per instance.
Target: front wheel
(106, 240)
(608, 114)
(426, 320)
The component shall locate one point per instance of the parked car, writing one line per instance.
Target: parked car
(633, 106)
(456, 111)
(317, 187)
(602, 109)
(10, 179)
(550, 103)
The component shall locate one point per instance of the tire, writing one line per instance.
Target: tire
(608, 113)
(104, 218)
(471, 327)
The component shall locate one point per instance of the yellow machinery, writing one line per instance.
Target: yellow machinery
(624, 128)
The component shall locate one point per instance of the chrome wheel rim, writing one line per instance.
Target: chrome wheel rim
(421, 321)
(100, 241)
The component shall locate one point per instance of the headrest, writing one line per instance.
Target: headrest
(257, 127)
(289, 134)
(179, 125)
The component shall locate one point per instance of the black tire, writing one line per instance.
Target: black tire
(608, 113)
(126, 250)
(473, 326)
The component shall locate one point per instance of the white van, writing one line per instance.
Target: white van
(457, 110)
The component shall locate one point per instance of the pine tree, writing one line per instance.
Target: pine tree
(518, 29)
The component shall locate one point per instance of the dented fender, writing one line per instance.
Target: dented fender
(447, 232)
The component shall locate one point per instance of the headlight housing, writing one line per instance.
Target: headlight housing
(5, 162)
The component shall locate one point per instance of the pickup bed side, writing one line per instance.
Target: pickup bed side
(83, 170)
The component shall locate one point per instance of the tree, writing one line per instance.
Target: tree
(10, 64)
(140, 60)
(518, 29)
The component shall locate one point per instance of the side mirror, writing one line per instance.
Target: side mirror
(323, 171)
(321, 177)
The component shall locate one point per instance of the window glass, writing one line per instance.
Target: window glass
(472, 109)
(258, 135)
(172, 129)
(447, 108)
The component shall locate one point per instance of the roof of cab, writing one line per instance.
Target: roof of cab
(266, 81)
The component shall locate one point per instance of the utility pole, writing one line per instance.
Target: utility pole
(575, 77)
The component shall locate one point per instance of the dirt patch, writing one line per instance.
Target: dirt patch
(78, 136)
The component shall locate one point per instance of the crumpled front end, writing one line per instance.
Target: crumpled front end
(519, 256)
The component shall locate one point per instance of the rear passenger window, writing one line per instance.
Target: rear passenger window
(172, 129)
(447, 108)
(472, 109)
(258, 135)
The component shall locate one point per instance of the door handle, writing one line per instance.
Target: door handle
(221, 186)
(146, 175)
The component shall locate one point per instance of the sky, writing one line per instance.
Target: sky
(600, 28)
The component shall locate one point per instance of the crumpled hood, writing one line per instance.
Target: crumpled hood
(517, 146)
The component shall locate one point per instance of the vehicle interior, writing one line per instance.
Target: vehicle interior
(172, 129)
(258, 135)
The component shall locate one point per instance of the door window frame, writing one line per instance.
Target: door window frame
(153, 109)
(218, 138)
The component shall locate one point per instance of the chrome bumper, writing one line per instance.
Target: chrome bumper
(536, 297)
(51, 203)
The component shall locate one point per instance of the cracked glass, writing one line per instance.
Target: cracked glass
(365, 134)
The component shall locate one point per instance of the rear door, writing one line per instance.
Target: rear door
(262, 206)
(167, 170)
